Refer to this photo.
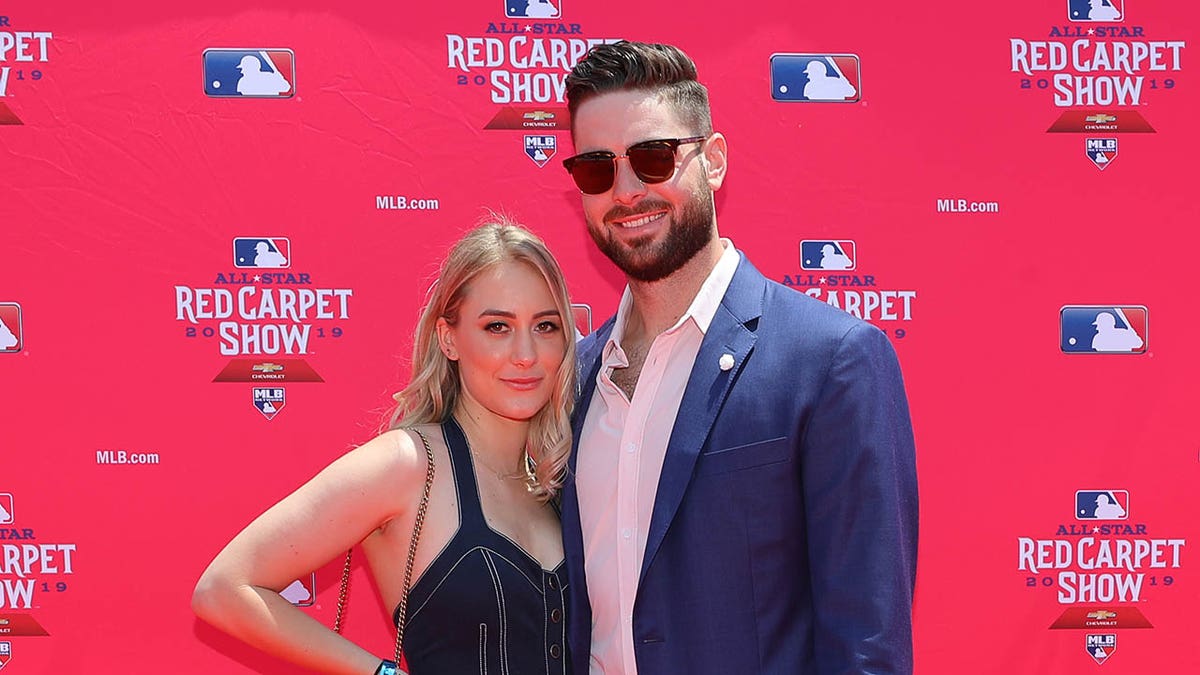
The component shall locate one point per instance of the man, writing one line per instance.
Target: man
(742, 495)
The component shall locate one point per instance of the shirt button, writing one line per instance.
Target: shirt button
(627, 533)
(632, 447)
(555, 615)
(555, 651)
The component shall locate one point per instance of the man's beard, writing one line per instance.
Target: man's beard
(690, 231)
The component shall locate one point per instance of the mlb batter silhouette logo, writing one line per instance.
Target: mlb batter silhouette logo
(1101, 504)
(825, 254)
(270, 252)
(582, 313)
(11, 337)
(533, 9)
(1101, 646)
(1099, 329)
(1096, 10)
(815, 78)
(251, 73)
(301, 592)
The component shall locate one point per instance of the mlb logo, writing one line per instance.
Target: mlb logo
(272, 252)
(249, 73)
(269, 400)
(541, 148)
(1102, 151)
(11, 334)
(815, 78)
(6, 508)
(301, 592)
(1101, 647)
(583, 320)
(1101, 504)
(5, 653)
(533, 9)
(1100, 329)
(827, 254)
(1095, 10)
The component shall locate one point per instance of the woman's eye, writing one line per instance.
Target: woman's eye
(547, 327)
(495, 327)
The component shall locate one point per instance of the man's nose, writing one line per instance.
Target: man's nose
(627, 187)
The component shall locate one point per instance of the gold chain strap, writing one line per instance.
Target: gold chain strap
(408, 566)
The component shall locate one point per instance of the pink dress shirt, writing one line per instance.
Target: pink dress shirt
(621, 451)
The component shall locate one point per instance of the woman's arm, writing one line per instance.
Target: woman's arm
(357, 493)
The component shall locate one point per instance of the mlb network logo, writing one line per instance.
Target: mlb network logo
(6, 508)
(1100, 329)
(824, 254)
(1092, 11)
(272, 252)
(533, 9)
(1101, 504)
(1101, 646)
(269, 400)
(815, 77)
(11, 334)
(249, 73)
(1102, 151)
(541, 148)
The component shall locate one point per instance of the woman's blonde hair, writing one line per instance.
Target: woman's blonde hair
(433, 391)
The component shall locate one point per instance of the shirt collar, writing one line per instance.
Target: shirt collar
(704, 305)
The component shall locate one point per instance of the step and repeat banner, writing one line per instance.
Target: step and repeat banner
(218, 223)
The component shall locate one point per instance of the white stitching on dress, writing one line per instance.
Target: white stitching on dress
(545, 626)
(483, 649)
(503, 638)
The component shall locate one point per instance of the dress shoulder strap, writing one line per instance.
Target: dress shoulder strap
(464, 475)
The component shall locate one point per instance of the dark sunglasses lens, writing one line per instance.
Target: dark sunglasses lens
(652, 162)
(593, 175)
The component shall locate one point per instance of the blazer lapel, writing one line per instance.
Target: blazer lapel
(704, 395)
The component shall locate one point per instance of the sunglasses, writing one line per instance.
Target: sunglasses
(652, 161)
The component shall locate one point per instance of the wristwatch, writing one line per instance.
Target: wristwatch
(388, 668)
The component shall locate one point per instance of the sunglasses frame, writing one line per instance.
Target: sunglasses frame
(674, 143)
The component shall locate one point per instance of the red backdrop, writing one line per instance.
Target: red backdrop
(984, 244)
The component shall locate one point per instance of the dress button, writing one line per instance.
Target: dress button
(555, 651)
(552, 582)
(555, 615)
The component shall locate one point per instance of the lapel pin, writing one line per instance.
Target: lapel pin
(726, 362)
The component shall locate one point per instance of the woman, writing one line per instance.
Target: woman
(492, 387)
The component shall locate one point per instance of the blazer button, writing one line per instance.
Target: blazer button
(555, 615)
(555, 651)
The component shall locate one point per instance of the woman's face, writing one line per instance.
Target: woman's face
(508, 341)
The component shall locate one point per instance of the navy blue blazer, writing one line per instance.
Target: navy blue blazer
(784, 532)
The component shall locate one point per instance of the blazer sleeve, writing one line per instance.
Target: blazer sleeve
(860, 490)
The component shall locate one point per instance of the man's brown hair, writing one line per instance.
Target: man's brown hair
(638, 66)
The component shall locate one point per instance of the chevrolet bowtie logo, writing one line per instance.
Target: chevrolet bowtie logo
(1102, 614)
(1101, 118)
(539, 115)
(267, 367)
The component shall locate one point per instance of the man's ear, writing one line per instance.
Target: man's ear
(445, 338)
(716, 160)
